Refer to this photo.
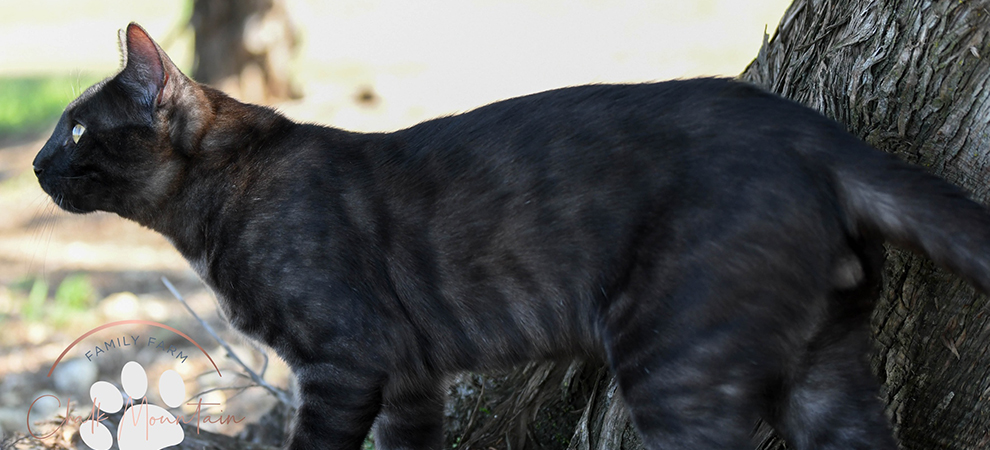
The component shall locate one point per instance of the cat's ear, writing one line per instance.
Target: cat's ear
(151, 78)
(148, 72)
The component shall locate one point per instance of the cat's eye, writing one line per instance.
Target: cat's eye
(77, 132)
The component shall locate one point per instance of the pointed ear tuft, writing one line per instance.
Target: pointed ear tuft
(122, 46)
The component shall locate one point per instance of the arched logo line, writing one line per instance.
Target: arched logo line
(127, 322)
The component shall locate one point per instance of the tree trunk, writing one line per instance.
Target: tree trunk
(244, 48)
(910, 77)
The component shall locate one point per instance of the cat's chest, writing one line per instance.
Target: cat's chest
(224, 297)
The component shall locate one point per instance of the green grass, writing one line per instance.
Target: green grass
(75, 293)
(29, 105)
(34, 306)
(74, 297)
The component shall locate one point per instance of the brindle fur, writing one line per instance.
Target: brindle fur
(717, 245)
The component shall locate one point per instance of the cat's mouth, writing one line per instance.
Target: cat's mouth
(56, 188)
(66, 205)
(69, 206)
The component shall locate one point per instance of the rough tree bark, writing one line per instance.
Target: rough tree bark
(911, 78)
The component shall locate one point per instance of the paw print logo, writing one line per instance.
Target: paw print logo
(143, 426)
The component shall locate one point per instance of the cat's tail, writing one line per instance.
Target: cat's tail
(914, 209)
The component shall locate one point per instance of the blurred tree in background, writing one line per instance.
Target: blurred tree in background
(244, 48)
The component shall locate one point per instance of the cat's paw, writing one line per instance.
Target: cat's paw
(143, 426)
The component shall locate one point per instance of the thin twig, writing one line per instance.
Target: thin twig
(229, 388)
(281, 395)
(264, 355)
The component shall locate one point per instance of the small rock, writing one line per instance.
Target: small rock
(74, 377)
(37, 333)
(14, 387)
(119, 306)
(44, 406)
(13, 420)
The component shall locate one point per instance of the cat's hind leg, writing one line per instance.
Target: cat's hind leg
(337, 408)
(697, 342)
(833, 404)
(411, 415)
(828, 398)
(688, 370)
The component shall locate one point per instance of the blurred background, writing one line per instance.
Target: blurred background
(418, 59)
(361, 65)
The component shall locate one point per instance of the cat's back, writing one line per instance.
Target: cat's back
(652, 138)
(666, 121)
(587, 166)
(690, 105)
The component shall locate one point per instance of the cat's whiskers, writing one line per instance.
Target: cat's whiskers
(46, 217)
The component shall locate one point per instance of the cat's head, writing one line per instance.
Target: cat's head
(122, 145)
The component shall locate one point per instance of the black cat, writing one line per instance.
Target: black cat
(717, 245)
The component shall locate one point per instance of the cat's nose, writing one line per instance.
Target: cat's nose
(37, 171)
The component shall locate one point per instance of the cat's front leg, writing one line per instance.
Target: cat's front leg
(337, 408)
(411, 415)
